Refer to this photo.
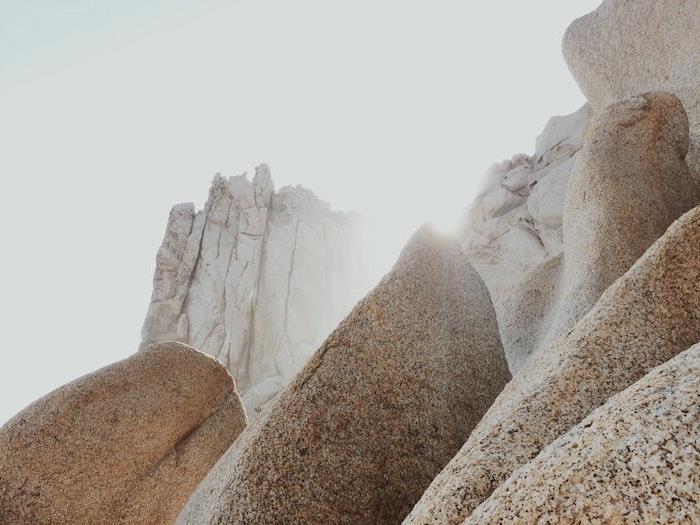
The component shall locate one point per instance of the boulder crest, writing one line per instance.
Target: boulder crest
(125, 444)
(628, 47)
(380, 408)
(636, 149)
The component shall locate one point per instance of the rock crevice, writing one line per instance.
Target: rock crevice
(257, 279)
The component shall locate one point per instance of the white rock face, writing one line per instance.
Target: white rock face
(257, 279)
(514, 227)
(515, 224)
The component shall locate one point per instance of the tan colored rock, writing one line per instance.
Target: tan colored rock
(647, 317)
(126, 444)
(636, 459)
(379, 409)
(629, 183)
(627, 47)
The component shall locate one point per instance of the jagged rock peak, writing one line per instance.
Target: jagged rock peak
(256, 279)
(515, 223)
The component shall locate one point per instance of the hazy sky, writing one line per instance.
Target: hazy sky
(112, 111)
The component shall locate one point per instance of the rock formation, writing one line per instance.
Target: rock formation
(515, 223)
(647, 317)
(377, 412)
(634, 460)
(634, 148)
(627, 47)
(257, 279)
(570, 273)
(126, 444)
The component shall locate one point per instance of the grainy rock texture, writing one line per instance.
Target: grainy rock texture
(634, 460)
(377, 412)
(647, 317)
(628, 47)
(257, 279)
(629, 182)
(126, 444)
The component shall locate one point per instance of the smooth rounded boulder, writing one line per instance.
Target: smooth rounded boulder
(627, 47)
(125, 444)
(378, 410)
(647, 317)
(633, 460)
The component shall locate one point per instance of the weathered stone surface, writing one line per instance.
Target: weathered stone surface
(647, 317)
(628, 47)
(636, 459)
(257, 279)
(126, 444)
(378, 410)
(630, 181)
(515, 224)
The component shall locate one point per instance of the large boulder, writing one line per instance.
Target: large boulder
(627, 47)
(647, 317)
(633, 460)
(126, 444)
(629, 183)
(377, 412)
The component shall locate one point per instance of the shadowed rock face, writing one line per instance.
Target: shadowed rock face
(379, 409)
(627, 47)
(126, 444)
(634, 460)
(646, 318)
(629, 183)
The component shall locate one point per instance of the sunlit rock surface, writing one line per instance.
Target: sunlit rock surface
(515, 223)
(645, 318)
(633, 460)
(125, 444)
(257, 279)
(513, 233)
(549, 259)
(387, 400)
(628, 47)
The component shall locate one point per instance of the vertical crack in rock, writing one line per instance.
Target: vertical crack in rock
(223, 282)
(249, 342)
(289, 281)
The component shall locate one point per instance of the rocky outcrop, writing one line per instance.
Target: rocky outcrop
(126, 444)
(627, 47)
(257, 279)
(647, 317)
(630, 181)
(377, 412)
(634, 460)
(515, 223)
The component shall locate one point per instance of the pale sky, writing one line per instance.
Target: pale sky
(113, 111)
